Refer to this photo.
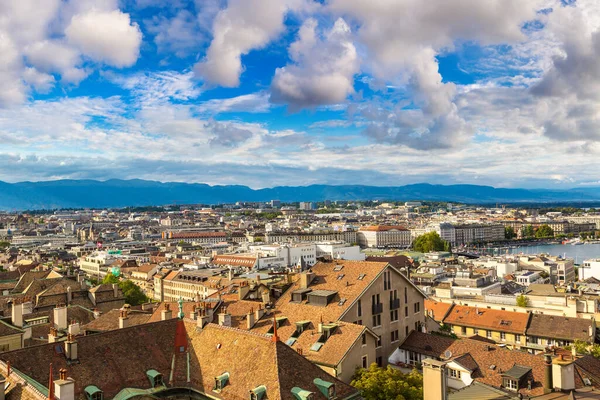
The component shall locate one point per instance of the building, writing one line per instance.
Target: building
(465, 234)
(589, 268)
(168, 358)
(339, 250)
(195, 237)
(306, 206)
(97, 264)
(383, 236)
(187, 285)
(373, 295)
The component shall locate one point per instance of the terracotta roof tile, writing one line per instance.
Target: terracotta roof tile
(485, 318)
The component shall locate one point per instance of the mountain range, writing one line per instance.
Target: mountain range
(124, 193)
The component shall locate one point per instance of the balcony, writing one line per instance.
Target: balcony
(377, 308)
(394, 304)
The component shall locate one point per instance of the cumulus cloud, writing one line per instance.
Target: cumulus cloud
(228, 134)
(243, 26)
(323, 69)
(108, 37)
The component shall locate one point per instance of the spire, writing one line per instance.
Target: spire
(180, 308)
(51, 385)
(275, 338)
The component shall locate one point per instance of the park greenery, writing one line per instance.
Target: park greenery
(544, 231)
(585, 348)
(133, 294)
(375, 383)
(430, 241)
(4, 244)
(509, 232)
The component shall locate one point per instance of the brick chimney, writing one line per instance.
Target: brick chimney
(193, 313)
(123, 319)
(434, 380)
(203, 318)
(64, 388)
(243, 290)
(60, 317)
(166, 313)
(71, 348)
(52, 335)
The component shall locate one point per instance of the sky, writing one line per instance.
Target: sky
(270, 93)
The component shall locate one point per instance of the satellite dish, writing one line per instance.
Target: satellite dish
(447, 354)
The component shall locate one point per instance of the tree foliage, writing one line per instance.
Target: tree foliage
(377, 383)
(133, 294)
(4, 244)
(585, 348)
(527, 231)
(544, 231)
(430, 241)
(509, 232)
(522, 300)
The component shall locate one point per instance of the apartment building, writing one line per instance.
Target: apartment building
(373, 295)
(96, 265)
(383, 235)
(195, 236)
(187, 285)
(348, 236)
(464, 234)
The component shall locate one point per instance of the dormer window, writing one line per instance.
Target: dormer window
(301, 394)
(327, 389)
(155, 378)
(93, 393)
(258, 393)
(221, 381)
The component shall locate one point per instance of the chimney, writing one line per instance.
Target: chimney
(64, 388)
(224, 319)
(203, 318)
(116, 290)
(166, 313)
(17, 314)
(74, 328)
(258, 314)
(69, 295)
(548, 373)
(27, 306)
(243, 290)
(123, 319)
(71, 348)
(250, 320)
(230, 274)
(96, 313)
(60, 317)
(51, 385)
(2, 387)
(320, 326)
(266, 297)
(591, 331)
(52, 335)
(305, 279)
(434, 379)
(563, 374)
(193, 313)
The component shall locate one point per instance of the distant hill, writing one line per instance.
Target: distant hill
(123, 193)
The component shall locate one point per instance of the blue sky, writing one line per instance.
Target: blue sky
(297, 92)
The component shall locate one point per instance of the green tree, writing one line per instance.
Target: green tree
(4, 244)
(430, 241)
(110, 279)
(133, 294)
(585, 348)
(544, 231)
(522, 300)
(377, 383)
(509, 232)
(527, 231)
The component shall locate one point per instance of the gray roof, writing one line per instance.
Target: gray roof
(517, 372)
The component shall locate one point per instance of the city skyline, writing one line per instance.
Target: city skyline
(271, 93)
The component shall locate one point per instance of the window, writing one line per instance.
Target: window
(359, 305)
(376, 306)
(510, 384)
(518, 338)
(365, 363)
(394, 300)
(379, 361)
(387, 280)
(453, 373)
(414, 357)
(395, 336)
(417, 307)
(488, 334)
(377, 320)
(476, 331)
(463, 330)
(406, 331)
(502, 335)
(364, 339)
(406, 295)
(394, 315)
(406, 311)
(533, 340)
(378, 341)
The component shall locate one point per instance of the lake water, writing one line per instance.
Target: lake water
(579, 253)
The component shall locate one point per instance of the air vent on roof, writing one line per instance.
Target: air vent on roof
(587, 382)
(447, 354)
(492, 367)
(361, 277)
(342, 301)
(340, 277)
(338, 268)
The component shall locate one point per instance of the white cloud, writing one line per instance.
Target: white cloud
(179, 35)
(159, 87)
(322, 71)
(243, 26)
(108, 37)
(253, 102)
(42, 82)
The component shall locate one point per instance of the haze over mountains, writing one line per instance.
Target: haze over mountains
(123, 193)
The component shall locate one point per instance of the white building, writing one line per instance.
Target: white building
(383, 235)
(340, 250)
(590, 268)
(97, 263)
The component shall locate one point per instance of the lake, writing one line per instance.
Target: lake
(579, 253)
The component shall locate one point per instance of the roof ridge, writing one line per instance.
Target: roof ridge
(231, 328)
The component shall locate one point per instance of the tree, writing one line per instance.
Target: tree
(110, 279)
(522, 300)
(509, 232)
(377, 383)
(4, 244)
(430, 241)
(544, 231)
(133, 294)
(527, 231)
